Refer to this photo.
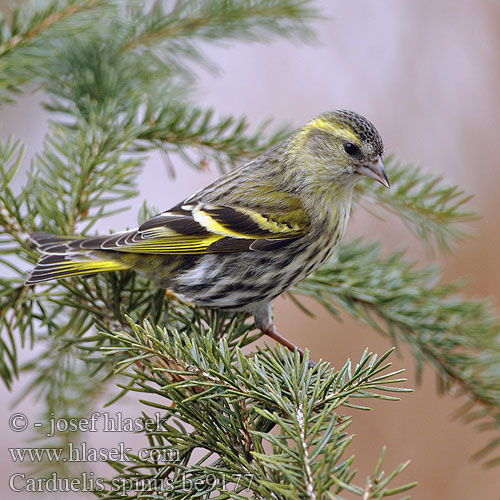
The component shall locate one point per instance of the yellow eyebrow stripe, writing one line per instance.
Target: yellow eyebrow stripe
(319, 123)
(322, 124)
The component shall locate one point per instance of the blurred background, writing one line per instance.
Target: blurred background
(427, 74)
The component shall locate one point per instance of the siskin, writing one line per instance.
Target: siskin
(244, 239)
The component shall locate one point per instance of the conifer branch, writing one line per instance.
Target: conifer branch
(23, 30)
(275, 388)
(432, 208)
(253, 20)
(226, 139)
(30, 26)
(458, 337)
(265, 422)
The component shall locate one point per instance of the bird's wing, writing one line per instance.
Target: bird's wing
(203, 228)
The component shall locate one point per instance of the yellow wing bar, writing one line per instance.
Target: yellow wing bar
(193, 229)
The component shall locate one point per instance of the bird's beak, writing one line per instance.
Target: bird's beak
(376, 171)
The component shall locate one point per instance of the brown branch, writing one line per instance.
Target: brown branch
(186, 27)
(452, 373)
(457, 378)
(49, 21)
(173, 30)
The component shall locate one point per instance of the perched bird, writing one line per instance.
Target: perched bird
(254, 232)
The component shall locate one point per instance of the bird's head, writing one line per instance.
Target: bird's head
(340, 147)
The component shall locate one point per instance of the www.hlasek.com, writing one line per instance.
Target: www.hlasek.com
(87, 482)
(81, 452)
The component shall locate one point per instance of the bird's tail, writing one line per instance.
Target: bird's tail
(60, 260)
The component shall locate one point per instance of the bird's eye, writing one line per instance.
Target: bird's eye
(352, 150)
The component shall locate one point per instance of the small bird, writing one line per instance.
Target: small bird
(241, 241)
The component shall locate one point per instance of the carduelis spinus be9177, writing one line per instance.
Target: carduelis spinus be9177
(244, 239)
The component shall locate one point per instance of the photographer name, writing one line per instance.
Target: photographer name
(104, 422)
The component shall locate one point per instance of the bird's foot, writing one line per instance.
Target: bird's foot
(171, 295)
(273, 333)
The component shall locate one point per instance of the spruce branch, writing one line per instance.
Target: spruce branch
(11, 156)
(107, 85)
(458, 337)
(119, 87)
(215, 384)
(226, 139)
(211, 20)
(24, 27)
(32, 24)
(432, 208)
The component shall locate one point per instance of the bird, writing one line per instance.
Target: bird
(241, 241)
